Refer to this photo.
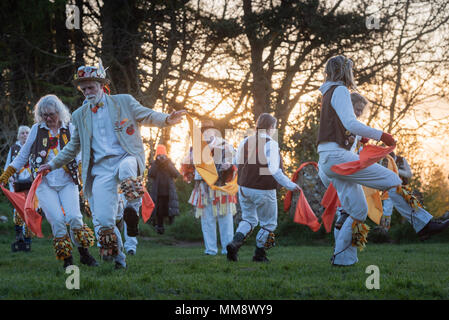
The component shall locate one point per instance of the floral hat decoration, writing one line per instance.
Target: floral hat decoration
(89, 73)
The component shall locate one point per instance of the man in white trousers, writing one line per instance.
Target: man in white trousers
(337, 123)
(214, 206)
(108, 136)
(259, 173)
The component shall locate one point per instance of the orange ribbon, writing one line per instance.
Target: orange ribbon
(33, 219)
(147, 206)
(369, 155)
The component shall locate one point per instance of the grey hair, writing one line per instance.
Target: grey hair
(21, 129)
(339, 68)
(51, 102)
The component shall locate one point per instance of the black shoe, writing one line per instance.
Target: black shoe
(160, 229)
(233, 247)
(132, 221)
(68, 262)
(131, 252)
(86, 258)
(432, 228)
(118, 265)
(260, 255)
(20, 246)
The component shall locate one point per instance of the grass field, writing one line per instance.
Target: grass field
(167, 268)
(182, 271)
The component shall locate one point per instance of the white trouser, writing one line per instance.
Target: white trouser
(52, 200)
(387, 205)
(258, 207)
(130, 242)
(351, 195)
(209, 228)
(106, 176)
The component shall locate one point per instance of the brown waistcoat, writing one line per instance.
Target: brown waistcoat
(249, 173)
(331, 129)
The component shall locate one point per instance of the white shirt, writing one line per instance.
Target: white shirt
(55, 178)
(341, 102)
(104, 140)
(271, 150)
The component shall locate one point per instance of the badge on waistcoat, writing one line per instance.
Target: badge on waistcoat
(45, 142)
(120, 125)
(130, 130)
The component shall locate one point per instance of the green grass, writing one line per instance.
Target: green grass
(163, 271)
(173, 267)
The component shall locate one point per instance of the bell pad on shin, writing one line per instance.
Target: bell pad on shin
(85, 236)
(270, 242)
(109, 243)
(63, 247)
(132, 188)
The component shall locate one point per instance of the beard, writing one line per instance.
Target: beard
(94, 98)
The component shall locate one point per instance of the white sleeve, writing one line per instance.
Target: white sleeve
(272, 154)
(341, 102)
(24, 153)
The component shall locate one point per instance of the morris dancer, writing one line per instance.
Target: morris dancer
(20, 181)
(258, 176)
(107, 133)
(214, 206)
(333, 148)
(58, 193)
(359, 104)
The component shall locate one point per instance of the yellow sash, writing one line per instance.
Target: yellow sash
(204, 163)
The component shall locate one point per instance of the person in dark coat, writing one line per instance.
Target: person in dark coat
(163, 190)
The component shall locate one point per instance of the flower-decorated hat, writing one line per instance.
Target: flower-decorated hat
(89, 73)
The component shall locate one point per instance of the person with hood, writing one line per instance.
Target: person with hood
(162, 173)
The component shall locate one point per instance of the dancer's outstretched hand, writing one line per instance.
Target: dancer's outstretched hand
(388, 139)
(297, 188)
(176, 117)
